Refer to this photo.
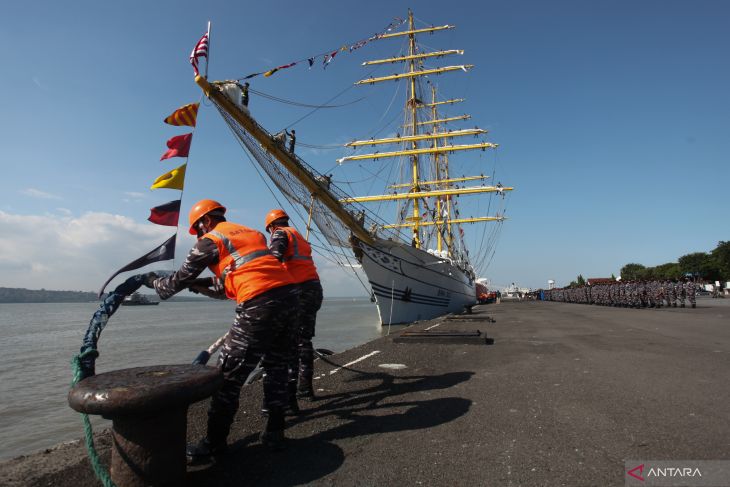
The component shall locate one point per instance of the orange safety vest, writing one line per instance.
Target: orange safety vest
(298, 257)
(246, 264)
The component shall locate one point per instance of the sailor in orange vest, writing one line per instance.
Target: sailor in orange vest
(264, 326)
(295, 253)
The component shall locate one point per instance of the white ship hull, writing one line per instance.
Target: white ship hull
(410, 284)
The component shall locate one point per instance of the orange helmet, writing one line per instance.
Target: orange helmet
(200, 209)
(274, 215)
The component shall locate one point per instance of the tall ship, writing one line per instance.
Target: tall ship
(409, 241)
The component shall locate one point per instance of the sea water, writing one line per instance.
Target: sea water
(38, 341)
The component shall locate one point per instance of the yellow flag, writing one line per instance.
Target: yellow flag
(174, 179)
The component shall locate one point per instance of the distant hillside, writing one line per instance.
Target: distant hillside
(20, 295)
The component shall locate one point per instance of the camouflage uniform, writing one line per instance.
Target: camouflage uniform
(658, 293)
(309, 303)
(263, 329)
(679, 288)
(691, 292)
(669, 295)
(301, 367)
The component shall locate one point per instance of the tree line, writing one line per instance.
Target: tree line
(707, 266)
(20, 295)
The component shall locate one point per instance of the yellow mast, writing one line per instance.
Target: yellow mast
(410, 138)
(442, 184)
(441, 181)
(412, 104)
(445, 102)
(451, 220)
(416, 151)
(410, 32)
(434, 116)
(414, 74)
(443, 120)
(416, 195)
(417, 56)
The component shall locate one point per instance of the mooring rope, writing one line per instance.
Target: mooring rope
(101, 472)
(83, 364)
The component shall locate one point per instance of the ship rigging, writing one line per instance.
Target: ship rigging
(417, 266)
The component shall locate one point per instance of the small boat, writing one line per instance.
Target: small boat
(137, 299)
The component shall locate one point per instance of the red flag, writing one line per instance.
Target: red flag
(167, 214)
(179, 146)
(200, 50)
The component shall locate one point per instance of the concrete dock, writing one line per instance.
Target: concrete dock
(563, 396)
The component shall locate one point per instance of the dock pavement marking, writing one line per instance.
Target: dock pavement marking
(375, 352)
(433, 326)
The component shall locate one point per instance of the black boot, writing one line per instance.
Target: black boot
(273, 437)
(306, 393)
(292, 407)
(694, 305)
(204, 450)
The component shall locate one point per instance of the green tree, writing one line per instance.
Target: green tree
(647, 273)
(580, 281)
(721, 253)
(693, 263)
(631, 271)
(670, 270)
(700, 264)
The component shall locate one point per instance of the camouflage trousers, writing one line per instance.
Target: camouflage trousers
(262, 331)
(681, 296)
(301, 368)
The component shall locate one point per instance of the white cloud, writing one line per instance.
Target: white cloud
(37, 193)
(340, 281)
(67, 252)
(133, 197)
(72, 252)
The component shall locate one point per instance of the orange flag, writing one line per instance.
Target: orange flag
(184, 115)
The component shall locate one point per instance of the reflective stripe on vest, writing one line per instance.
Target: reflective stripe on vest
(295, 250)
(238, 259)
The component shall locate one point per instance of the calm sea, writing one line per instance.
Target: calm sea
(38, 341)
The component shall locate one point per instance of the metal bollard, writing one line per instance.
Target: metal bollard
(148, 408)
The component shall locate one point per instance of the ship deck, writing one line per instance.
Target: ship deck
(563, 396)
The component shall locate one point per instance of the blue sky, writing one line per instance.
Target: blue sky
(612, 120)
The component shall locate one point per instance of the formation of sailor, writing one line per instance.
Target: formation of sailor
(630, 294)
(266, 280)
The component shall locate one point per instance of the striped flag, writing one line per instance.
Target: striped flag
(184, 115)
(200, 50)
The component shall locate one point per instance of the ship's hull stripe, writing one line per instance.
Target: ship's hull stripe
(387, 292)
